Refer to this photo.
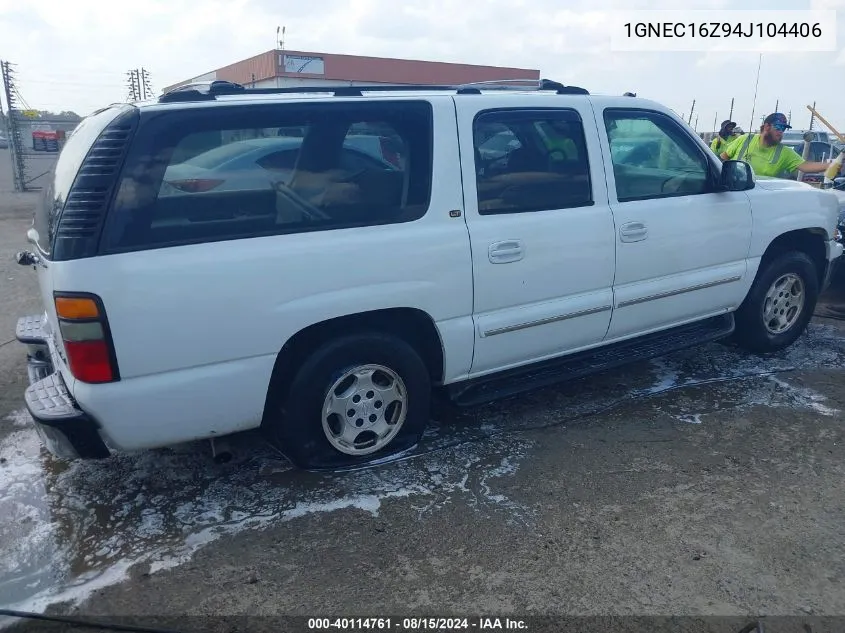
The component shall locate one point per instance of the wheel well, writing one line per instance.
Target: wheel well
(410, 324)
(808, 241)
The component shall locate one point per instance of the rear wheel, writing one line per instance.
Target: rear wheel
(355, 399)
(779, 305)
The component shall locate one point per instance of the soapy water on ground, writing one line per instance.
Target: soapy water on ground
(69, 529)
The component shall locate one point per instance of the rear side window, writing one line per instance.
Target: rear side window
(54, 196)
(224, 173)
(530, 160)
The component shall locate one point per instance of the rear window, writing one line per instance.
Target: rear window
(222, 173)
(64, 173)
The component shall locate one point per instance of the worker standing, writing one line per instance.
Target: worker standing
(767, 155)
(726, 134)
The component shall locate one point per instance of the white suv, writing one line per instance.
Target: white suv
(322, 292)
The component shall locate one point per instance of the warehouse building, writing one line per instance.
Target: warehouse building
(283, 68)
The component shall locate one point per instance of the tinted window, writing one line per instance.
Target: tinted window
(530, 160)
(653, 157)
(64, 173)
(225, 173)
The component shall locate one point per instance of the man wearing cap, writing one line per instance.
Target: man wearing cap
(724, 137)
(765, 153)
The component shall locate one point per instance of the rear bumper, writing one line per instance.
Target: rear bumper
(65, 429)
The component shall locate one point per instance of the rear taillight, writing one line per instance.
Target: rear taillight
(195, 185)
(86, 336)
(389, 155)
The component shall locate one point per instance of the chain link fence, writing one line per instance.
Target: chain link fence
(32, 138)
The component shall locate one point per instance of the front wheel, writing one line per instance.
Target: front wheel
(779, 305)
(355, 399)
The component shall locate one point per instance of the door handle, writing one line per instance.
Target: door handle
(506, 251)
(633, 232)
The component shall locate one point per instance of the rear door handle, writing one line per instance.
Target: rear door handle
(633, 232)
(506, 251)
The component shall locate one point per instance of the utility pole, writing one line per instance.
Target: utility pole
(146, 88)
(715, 122)
(730, 115)
(13, 130)
(139, 85)
(695, 127)
(132, 85)
(812, 116)
(690, 112)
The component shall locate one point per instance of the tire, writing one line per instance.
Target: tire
(792, 312)
(313, 441)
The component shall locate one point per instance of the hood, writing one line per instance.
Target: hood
(840, 195)
(780, 184)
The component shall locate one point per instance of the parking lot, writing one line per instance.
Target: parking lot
(708, 482)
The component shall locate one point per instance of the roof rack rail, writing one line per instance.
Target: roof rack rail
(210, 90)
(201, 91)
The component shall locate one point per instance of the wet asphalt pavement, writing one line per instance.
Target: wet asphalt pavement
(639, 490)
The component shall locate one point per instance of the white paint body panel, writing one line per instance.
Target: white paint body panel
(555, 298)
(692, 261)
(197, 328)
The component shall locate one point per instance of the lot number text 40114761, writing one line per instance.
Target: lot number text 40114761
(416, 624)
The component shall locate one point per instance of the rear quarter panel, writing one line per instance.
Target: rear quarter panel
(197, 328)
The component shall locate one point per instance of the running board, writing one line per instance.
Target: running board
(547, 373)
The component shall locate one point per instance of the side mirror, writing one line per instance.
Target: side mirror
(736, 175)
(25, 258)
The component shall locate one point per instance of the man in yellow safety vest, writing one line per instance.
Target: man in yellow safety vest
(767, 155)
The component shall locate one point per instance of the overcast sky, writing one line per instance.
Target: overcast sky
(73, 54)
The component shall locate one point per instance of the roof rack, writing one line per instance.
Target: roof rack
(210, 90)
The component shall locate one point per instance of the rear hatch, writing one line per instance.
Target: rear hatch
(67, 201)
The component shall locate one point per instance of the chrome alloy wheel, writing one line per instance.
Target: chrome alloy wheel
(364, 409)
(784, 303)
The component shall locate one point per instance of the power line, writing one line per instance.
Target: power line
(39, 82)
(751, 126)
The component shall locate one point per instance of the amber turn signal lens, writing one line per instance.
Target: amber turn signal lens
(76, 308)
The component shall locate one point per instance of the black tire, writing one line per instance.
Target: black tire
(751, 330)
(297, 429)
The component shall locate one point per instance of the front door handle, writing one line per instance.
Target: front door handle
(633, 232)
(506, 251)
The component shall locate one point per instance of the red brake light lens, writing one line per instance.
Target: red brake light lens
(195, 185)
(89, 361)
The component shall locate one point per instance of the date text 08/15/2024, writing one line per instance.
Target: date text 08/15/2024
(354, 625)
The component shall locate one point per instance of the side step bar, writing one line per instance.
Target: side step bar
(545, 374)
(29, 331)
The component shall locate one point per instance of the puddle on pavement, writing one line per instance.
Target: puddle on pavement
(68, 529)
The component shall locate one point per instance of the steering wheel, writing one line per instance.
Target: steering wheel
(351, 178)
(308, 209)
